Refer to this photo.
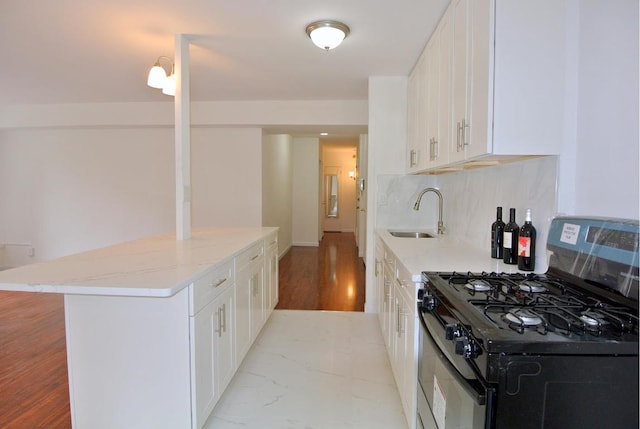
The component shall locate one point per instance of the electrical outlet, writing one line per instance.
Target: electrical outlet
(31, 252)
(382, 200)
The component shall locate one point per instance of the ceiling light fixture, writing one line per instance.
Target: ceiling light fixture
(158, 77)
(327, 34)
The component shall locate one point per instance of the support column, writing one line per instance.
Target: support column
(182, 139)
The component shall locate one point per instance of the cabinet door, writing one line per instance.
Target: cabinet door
(443, 142)
(242, 328)
(389, 308)
(271, 286)
(432, 99)
(225, 364)
(418, 149)
(460, 42)
(479, 140)
(204, 390)
(257, 299)
(409, 363)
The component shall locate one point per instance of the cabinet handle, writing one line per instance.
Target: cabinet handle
(413, 158)
(254, 258)
(465, 125)
(224, 318)
(219, 282)
(435, 149)
(398, 319)
(219, 328)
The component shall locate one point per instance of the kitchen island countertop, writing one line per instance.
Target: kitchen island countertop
(158, 266)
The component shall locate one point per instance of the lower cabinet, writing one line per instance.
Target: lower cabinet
(271, 275)
(398, 320)
(212, 353)
(249, 314)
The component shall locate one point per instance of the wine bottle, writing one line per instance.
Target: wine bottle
(510, 240)
(527, 245)
(497, 230)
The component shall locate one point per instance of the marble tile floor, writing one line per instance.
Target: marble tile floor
(313, 370)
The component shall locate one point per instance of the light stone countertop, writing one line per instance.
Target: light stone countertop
(158, 266)
(442, 253)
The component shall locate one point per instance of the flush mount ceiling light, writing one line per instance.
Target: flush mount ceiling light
(327, 34)
(158, 77)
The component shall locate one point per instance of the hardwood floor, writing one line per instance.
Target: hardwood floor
(328, 277)
(34, 389)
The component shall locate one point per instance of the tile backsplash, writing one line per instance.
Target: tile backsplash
(471, 198)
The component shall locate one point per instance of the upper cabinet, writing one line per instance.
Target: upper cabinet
(494, 85)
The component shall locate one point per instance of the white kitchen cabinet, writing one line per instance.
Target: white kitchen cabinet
(439, 94)
(398, 319)
(379, 274)
(388, 314)
(406, 342)
(507, 76)
(429, 101)
(249, 314)
(416, 116)
(212, 352)
(271, 277)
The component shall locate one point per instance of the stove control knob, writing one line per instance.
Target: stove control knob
(452, 331)
(466, 348)
(429, 303)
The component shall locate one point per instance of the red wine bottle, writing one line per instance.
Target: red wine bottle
(527, 245)
(497, 230)
(510, 240)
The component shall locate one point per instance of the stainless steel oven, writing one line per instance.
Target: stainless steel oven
(447, 393)
(556, 351)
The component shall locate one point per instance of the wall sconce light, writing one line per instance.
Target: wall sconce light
(327, 34)
(158, 77)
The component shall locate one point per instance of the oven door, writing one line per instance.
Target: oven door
(446, 399)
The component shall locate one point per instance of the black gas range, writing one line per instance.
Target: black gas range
(553, 350)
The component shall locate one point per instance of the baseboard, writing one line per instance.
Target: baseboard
(307, 244)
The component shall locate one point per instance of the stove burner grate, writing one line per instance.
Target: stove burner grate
(532, 286)
(478, 285)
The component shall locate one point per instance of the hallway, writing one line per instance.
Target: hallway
(328, 277)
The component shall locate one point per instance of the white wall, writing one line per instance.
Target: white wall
(607, 157)
(306, 188)
(226, 177)
(66, 191)
(277, 186)
(69, 190)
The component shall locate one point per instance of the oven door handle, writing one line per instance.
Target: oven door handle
(477, 393)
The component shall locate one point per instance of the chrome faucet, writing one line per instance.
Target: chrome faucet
(416, 206)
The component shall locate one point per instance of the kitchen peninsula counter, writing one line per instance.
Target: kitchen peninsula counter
(158, 266)
(156, 328)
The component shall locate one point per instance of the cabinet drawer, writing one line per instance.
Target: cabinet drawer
(210, 285)
(389, 260)
(406, 285)
(271, 242)
(252, 254)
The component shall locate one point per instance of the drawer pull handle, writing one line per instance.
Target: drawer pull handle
(219, 282)
(254, 258)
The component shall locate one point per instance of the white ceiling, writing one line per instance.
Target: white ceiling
(86, 51)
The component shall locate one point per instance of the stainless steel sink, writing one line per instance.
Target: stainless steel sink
(410, 234)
